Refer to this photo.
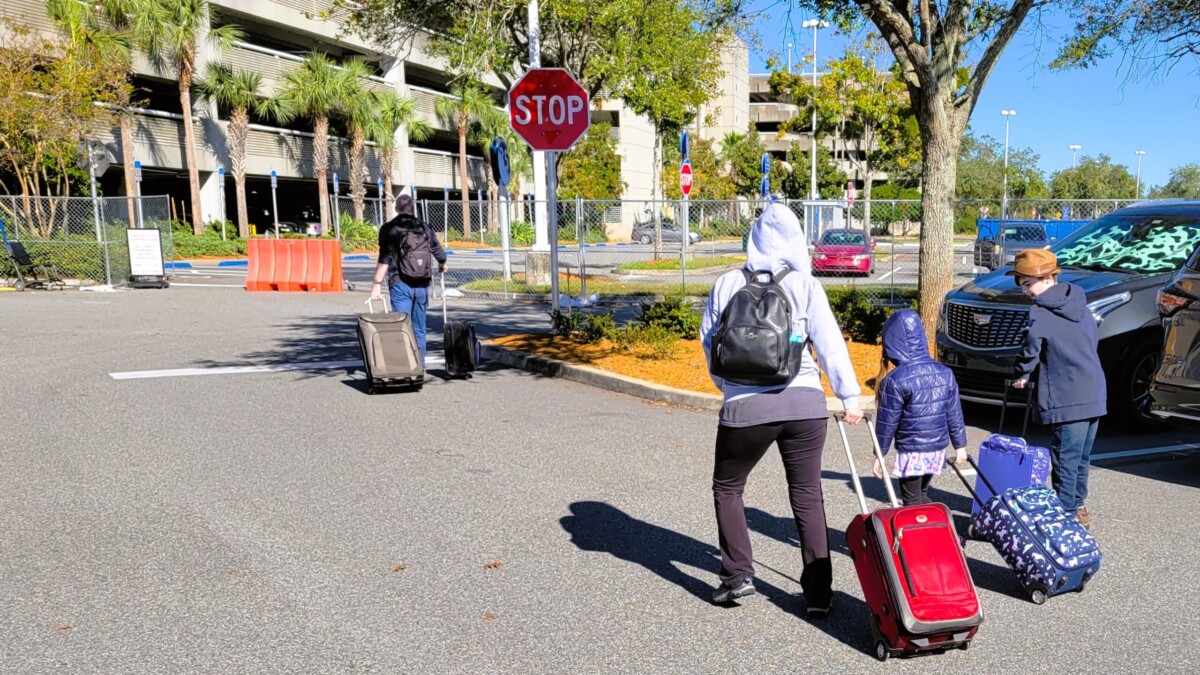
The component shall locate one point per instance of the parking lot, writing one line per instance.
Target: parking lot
(195, 480)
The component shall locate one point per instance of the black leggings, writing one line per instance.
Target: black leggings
(914, 490)
(801, 444)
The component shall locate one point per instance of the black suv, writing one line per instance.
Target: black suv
(1175, 394)
(1121, 261)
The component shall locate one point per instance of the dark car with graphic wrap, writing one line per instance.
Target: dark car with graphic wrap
(1121, 261)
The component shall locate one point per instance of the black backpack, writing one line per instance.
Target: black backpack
(753, 341)
(416, 253)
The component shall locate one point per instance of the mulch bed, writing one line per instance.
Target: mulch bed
(685, 370)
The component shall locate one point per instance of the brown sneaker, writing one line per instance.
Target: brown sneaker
(1084, 518)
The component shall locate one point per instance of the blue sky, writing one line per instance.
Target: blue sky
(1101, 108)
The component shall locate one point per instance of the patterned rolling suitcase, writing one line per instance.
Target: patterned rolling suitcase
(919, 593)
(1048, 549)
(1009, 461)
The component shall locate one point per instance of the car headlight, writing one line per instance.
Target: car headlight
(818, 256)
(859, 258)
(1105, 306)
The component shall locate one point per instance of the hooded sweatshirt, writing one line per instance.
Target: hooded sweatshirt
(1070, 379)
(777, 242)
(918, 404)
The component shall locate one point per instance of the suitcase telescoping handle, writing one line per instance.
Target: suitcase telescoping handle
(371, 306)
(971, 488)
(442, 282)
(1028, 406)
(858, 489)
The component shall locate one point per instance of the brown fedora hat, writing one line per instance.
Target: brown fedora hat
(1034, 262)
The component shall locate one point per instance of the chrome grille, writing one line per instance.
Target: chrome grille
(986, 327)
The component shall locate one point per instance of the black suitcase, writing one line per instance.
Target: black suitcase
(459, 341)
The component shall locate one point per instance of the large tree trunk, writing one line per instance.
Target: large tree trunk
(189, 142)
(358, 170)
(239, 126)
(462, 175)
(126, 127)
(321, 168)
(941, 134)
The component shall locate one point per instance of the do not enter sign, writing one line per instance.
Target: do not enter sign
(549, 109)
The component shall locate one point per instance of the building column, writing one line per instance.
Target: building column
(210, 198)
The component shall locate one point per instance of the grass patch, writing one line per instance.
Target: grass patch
(673, 263)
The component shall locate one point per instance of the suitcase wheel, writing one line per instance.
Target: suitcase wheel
(1038, 594)
(371, 390)
(881, 650)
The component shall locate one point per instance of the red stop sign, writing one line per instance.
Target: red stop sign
(685, 178)
(549, 109)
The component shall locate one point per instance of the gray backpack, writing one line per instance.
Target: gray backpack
(753, 343)
(416, 253)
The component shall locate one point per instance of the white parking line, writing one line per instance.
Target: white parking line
(267, 368)
(1161, 450)
(889, 274)
(177, 283)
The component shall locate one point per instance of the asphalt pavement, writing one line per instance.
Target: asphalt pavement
(288, 522)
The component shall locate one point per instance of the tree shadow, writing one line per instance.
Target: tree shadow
(603, 528)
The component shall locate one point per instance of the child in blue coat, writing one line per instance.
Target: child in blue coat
(918, 408)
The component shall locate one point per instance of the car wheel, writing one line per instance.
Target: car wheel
(1131, 394)
(644, 239)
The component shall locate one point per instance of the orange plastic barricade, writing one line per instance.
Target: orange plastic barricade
(294, 265)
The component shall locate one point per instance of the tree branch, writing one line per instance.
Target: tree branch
(897, 30)
(983, 69)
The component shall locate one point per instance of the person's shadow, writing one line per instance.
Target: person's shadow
(603, 528)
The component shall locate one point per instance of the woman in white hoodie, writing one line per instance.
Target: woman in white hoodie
(793, 415)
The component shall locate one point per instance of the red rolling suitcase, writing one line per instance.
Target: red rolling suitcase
(913, 572)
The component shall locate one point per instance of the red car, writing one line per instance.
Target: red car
(844, 251)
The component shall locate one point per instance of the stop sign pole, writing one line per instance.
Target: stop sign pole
(685, 187)
(549, 109)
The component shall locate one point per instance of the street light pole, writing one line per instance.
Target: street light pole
(1008, 115)
(814, 24)
(1137, 192)
(1074, 149)
(789, 45)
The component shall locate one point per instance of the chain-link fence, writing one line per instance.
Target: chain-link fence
(630, 248)
(83, 239)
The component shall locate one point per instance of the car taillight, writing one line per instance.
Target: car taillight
(1169, 303)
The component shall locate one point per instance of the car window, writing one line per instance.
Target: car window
(1194, 263)
(1024, 233)
(835, 238)
(1145, 244)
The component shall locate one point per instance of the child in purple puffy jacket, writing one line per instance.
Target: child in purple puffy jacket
(918, 408)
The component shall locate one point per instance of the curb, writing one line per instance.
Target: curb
(177, 266)
(622, 384)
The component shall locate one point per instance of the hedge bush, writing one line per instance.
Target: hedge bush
(672, 315)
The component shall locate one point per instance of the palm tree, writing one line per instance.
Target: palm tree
(470, 103)
(174, 40)
(312, 90)
(393, 112)
(240, 92)
(357, 107)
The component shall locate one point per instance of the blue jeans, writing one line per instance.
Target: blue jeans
(1070, 456)
(413, 301)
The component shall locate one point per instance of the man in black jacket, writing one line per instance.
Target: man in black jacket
(407, 249)
(1071, 393)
